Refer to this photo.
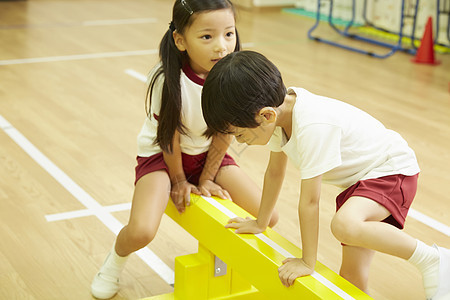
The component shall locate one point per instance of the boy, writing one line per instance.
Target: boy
(329, 141)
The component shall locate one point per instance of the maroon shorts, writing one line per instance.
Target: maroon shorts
(192, 165)
(395, 193)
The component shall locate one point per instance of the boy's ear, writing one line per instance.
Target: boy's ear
(179, 41)
(267, 115)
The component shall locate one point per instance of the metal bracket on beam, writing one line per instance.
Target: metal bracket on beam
(220, 268)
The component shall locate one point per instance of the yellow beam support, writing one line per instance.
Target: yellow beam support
(253, 257)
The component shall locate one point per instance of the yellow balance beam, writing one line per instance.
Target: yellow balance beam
(255, 257)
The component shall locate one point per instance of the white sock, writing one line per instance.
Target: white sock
(118, 260)
(426, 259)
(113, 264)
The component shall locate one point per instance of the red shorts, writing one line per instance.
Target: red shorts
(192, 165)
(395, 193)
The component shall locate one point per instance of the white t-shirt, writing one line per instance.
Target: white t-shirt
(191, 114)
(342, 142)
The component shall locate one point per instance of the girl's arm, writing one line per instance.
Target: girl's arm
(308, 212)
(216, 153)
(273, 180)
(181, 188)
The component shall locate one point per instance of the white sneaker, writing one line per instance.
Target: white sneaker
(443, 291)
(106, 282)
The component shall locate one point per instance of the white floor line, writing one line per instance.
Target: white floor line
(424, 219)
(136, 75)
(429, 221)
(154, 262)
(76, 57)
(86, 56)
(87, 212)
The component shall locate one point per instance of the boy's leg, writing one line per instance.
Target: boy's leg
(356, 265)
(242, 190)
(357, 223)
(149, 202)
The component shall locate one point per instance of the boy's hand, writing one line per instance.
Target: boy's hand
(291, 269)
(247, 225)
(181, 194)
(209, 187)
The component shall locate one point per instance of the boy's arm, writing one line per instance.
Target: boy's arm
(217, 150)
(273, 180)
(181, 188)
(308, 212)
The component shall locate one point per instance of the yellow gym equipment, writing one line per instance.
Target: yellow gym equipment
(242, 266)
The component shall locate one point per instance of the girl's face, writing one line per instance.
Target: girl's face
(211, 36)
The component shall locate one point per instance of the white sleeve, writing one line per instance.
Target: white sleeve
(319, 148)
(276, 140)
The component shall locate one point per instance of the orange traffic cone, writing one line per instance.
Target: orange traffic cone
(425, 54)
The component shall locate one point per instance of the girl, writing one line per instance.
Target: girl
(174, 158)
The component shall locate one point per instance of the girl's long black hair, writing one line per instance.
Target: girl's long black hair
(172, 61)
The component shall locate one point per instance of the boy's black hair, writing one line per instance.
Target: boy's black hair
(237, 88)
(172, 60)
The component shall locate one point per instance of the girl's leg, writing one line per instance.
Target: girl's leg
(242, 190)
(356, 265)
(150, 198)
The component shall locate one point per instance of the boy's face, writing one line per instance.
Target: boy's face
(259, 135)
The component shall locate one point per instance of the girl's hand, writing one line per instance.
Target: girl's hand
(291, 269)
(247, 225)
(181, 194)
(209, 187)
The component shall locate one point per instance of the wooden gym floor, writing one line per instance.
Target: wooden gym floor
(72, 103)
